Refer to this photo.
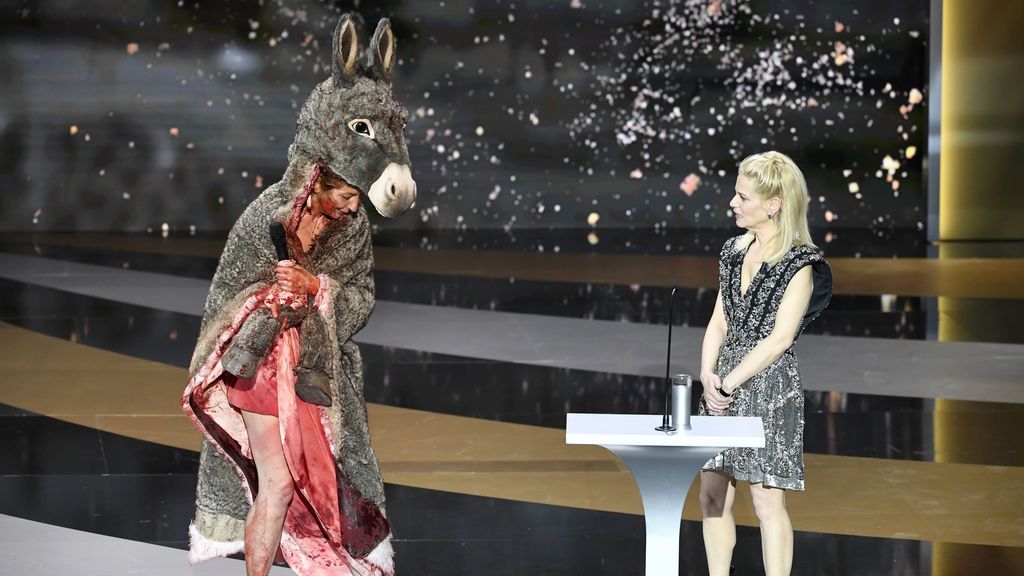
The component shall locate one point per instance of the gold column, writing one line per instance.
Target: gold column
(982, 131)
(980, 175)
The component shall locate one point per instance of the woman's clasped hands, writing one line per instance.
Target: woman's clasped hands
(716, 402)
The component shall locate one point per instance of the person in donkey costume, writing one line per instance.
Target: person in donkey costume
(275, 383)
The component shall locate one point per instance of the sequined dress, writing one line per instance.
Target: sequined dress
(775, 394)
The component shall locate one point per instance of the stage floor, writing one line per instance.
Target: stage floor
(472, 360)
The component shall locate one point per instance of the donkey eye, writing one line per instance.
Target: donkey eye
(361, 127)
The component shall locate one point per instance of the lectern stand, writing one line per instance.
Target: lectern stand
(663, 465)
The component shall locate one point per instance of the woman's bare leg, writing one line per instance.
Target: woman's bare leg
(717, 492)
(266, 517)
(776, 530)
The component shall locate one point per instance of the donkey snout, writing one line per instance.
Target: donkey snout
(394, 192)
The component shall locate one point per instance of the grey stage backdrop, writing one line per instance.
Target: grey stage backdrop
(172, 115)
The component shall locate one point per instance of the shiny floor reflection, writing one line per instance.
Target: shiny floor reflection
(121, 487)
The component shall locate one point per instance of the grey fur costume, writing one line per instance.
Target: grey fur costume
(352, 126)
(344, 254)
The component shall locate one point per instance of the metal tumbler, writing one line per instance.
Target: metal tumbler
(681, 390)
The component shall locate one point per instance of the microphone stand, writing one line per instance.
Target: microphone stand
(665, 426)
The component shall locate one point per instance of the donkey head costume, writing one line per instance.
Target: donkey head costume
(351, 127)
(352, 124)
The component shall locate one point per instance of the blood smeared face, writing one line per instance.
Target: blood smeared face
(335, 198)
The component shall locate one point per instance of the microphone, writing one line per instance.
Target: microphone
(665, 426)
(277, 237)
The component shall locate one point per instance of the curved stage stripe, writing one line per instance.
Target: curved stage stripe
(876, 366)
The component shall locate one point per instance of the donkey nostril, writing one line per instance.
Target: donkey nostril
(393, 190)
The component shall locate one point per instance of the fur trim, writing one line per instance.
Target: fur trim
(201, 548)
(383, 556)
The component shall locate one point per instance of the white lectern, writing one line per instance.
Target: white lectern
(663, 465)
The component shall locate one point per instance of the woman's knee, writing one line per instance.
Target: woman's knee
(277, 489)
(768, 502)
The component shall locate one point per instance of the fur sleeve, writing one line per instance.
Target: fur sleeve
(246, 266)
(353, 292)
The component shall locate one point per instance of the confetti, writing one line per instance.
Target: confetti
(690, 184)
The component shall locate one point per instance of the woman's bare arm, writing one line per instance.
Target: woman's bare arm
(713, 338)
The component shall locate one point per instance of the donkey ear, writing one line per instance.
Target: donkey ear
(382, 50)
(345, 51)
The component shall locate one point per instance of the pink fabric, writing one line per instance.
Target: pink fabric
(258, 394)
(311, 543)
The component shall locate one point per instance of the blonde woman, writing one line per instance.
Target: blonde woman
(773, 282)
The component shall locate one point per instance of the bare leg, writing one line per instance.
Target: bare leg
(266, 517)
(717, 492)
(776, 530)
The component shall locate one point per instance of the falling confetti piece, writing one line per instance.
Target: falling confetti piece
(132, 48)
(174, 132)
(911, 152)
(636, 174)
(592, 239)
(534, 119)
(259, 181)
(830, 216)
(593, 218)
(841, 55)
(854, 187)
(840, 27)
(479, 130)
(915, 96)
(690, 184)
(890, 164)
(73, 130)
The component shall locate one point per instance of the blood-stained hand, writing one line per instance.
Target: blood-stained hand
(288, 307)
(295, 279)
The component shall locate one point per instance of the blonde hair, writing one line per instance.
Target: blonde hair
(775, 175)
